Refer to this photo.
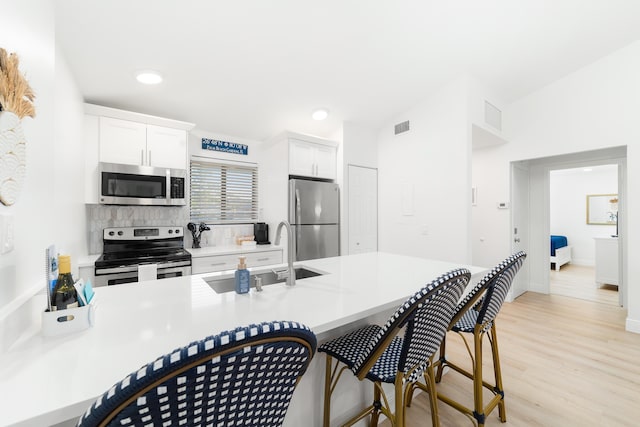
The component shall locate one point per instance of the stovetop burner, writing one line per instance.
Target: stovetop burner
(142, 245)
(132, 258)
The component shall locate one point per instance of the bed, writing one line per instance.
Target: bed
(560, 251)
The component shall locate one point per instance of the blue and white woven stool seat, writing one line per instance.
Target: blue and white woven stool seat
(467, 322)
(348, 348)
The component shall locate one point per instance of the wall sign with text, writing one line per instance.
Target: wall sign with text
(224, 146)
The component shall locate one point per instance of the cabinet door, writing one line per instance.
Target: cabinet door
(166, 147)
(257, 259)
(325, 158)
(212, 263)
(122, 141)
(301, 158)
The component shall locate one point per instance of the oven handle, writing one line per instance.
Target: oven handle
(134, 268)
(103, 280)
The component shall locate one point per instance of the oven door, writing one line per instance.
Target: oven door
(118, 278)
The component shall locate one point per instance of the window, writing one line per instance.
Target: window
(223, 193)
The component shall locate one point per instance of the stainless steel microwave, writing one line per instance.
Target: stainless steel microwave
(141, 185)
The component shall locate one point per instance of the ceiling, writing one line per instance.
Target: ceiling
(253, 68)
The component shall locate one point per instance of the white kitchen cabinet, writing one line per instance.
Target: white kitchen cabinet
(166, 147)
(229, 261)
(311, 159)
(133, 143)
(213, 263)
(87, 273)
(607, 260)
(257, 259)
(122, 141)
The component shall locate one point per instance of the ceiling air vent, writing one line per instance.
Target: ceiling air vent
(492, 116)
(402, 127)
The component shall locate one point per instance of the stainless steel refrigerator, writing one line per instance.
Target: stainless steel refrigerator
(315, 218)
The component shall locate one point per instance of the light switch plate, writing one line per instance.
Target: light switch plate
(6, 233)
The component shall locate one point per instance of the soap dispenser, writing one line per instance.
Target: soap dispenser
(242, 277)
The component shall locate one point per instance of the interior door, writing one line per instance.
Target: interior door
(363, 209)
(519, 224)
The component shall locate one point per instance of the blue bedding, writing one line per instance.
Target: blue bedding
(557, 242)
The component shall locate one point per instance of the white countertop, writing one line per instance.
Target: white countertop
(46, 380)
(224, 250)
(89, 260)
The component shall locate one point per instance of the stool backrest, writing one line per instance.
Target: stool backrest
(489, 293)
(425, 317)
(243, 377)
(499, 287)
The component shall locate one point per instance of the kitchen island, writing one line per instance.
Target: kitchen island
(48, 380)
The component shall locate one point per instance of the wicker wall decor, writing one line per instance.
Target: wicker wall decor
(16, 102)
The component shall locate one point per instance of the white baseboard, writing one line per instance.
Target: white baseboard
(633, 325)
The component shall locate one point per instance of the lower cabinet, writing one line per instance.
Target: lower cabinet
(607, 260)
(212, 263)
(87, 273)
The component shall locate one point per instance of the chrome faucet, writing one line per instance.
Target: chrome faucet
(290, 274)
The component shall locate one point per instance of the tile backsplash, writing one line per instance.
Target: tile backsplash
(103, 216)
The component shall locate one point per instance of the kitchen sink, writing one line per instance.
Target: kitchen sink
(228, 284)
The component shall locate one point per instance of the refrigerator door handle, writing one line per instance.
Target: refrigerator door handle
(297, 219)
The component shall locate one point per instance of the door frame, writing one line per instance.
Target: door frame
(520, 224)
(537, 247)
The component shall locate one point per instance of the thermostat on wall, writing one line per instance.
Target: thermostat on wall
(503, 205)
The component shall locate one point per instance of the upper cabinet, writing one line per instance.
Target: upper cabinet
(312, 159)
(134, 143)
(118, 136)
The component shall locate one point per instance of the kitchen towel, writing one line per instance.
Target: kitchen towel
(147, 272)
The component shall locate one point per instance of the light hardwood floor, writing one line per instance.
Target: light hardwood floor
(578, 281)
(566, 362)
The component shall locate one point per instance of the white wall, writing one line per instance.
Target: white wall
(50, 208)
(428, 169)
(593, 108)
(28, 30)
(568, 190)
(358, 147)
(69, 163)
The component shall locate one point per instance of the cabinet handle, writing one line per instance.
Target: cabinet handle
(149, 157)
(217, 263)
(262, 259)
(141, 157)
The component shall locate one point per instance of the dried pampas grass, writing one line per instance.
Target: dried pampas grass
(16, 95)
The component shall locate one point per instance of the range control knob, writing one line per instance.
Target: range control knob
(177, 231)
(120, 233)
(111, 233)
(170, 231)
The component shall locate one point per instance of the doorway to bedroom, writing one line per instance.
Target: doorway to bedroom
(583, 210)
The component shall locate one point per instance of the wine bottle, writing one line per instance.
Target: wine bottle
(64, 294)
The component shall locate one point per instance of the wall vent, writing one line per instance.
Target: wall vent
(402, 127)
(492, 116)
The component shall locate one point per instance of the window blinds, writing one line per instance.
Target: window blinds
(223, 193)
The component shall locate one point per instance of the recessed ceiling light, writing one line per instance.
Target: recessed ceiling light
(320, 114)
(148, 77)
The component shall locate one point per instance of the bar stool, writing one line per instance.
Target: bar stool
(242, 377)
(476, 314)
(380, 355)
